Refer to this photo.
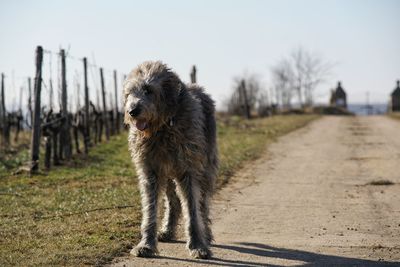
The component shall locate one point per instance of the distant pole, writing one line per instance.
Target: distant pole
(105, 120)
(30, 100)
(193, 74)
(87, 114)
(35, 141)
(116, 103)
(78, 98)
(65, 133)
(3, 112)
(368, 106)
(2, 104)
(21, 92)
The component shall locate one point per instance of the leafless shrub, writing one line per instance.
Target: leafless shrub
(299, 74)
(248, 96)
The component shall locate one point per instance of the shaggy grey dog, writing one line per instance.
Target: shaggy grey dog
(172, 139)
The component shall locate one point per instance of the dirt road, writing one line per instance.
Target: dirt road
(309, 201)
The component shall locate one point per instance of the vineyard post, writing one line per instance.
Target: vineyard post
(105, 120)
(1, 102)
(117, 122)
(87, 114)
(35, 141)
(3, 119)
(65, 132)
(30, 100)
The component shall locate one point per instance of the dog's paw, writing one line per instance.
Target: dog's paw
(144, 251)
(200, 253)
(165, 236)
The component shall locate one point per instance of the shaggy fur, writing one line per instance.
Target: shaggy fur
(172, 139)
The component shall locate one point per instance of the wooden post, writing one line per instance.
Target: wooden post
(3, 120)
(47, 153)
(193, 74)
(246, 103)
(87, 114)
(35, 141)
(1, 101)
(30, 101)
(117, 123)
(65, 132)
(105, 119)
(111, 116)
(21, 92)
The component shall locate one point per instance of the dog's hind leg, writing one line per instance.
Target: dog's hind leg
(148, 244)
(171, 213)
(190, 194)
(205, 212)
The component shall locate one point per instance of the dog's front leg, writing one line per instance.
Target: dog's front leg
(189, 192)
(172, 212)
(148, 244)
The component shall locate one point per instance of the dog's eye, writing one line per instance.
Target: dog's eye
(147, 90)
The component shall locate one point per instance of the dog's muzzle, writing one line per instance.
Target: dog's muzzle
(135, 111)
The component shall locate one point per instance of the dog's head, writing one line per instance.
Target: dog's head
(151, 94)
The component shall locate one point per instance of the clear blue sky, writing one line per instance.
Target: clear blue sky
(223, 38)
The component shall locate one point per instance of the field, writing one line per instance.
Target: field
(89, 211)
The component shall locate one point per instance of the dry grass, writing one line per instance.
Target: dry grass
(88, 212)
(395, 115)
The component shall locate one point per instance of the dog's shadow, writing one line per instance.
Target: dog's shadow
(302, 258)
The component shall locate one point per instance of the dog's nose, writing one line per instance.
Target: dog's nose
(135, 111)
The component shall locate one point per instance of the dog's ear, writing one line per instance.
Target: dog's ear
(125, 90)
(171, 88)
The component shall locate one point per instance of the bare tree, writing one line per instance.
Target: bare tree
(264, 104)
(316, 70)
(283, 80)
(300, 74)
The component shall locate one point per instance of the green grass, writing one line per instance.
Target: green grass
(16, 154)
(88, 212)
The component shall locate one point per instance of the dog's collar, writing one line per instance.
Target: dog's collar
(171, 121)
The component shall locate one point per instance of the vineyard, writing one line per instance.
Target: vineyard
(86, 111)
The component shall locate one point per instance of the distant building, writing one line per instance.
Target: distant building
(396, 98)
(338, 97)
